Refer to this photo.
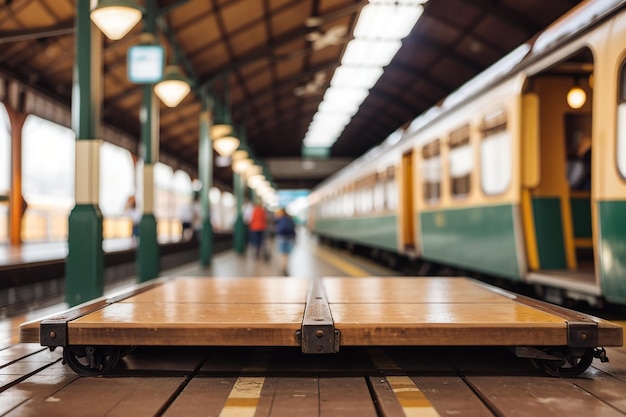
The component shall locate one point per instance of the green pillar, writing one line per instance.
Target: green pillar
(84, 271)
(205, 170)
(239, 233)
(148, 259)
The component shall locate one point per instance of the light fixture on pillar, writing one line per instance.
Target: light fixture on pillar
(576, 96)
(115, 18)
(173, 88)
(225, 145)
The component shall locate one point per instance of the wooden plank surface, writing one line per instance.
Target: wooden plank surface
(371, 311)
(189, 324)
(407, 290)
(444, 311)
(255, 290)
(454, 324)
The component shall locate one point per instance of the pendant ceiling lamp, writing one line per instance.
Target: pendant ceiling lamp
(173, 88)
(115, 18)
(226, 145)
(576, 96)
(222, 126)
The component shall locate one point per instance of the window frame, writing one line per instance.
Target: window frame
(491, 125)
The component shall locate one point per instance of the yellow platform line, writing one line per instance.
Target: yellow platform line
(413, 401)
(339, 263)
(244, 397)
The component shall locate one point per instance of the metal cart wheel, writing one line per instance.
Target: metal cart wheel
(91, 360)
(571, 362)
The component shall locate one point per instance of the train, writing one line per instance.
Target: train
(484, 182)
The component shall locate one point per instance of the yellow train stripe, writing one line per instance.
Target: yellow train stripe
(568, 233)
(530, 236)
(244, 397)
(339, 263)
(413, 401)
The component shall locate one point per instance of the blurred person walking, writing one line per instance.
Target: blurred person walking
(257, 227)
(285, 237)
(133, 212)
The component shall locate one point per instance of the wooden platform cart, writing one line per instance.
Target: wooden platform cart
(320, 316)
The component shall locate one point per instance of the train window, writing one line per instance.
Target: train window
(391, 192)
(323, 210)
(495, 154)
(461, 161)
(391, 189)
(431, 171)
(365, 195)
(358, 201)
(379, 195)
(368, 199)
(335, 206)
(348, 203)
(621, 123)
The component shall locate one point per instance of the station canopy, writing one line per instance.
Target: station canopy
(271, 64)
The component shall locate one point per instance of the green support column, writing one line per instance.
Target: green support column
(205, 170)
(239, 232)
(148, 258)
(84, 271)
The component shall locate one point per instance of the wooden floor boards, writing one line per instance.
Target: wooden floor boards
(258, 381)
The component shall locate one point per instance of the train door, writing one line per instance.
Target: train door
(557, 183)
(407, 212)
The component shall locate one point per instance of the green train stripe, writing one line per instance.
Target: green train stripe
(612, 247)
(378, 231)
(477, 238)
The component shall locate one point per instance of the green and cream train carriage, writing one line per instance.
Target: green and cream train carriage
(484, 181)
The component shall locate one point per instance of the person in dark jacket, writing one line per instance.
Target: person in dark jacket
(285, 237)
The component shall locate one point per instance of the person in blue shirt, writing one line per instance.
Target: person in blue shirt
(285, 237)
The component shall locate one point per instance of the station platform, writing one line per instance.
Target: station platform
(283, 381)
(32, 252)
(32, 274)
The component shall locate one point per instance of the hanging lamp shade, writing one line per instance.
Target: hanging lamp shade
(221, 130)
(253, 170)
(115, 18)
(240, 166)
(173, 88)
(239, 154)
(255, 180)
(226, 145)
